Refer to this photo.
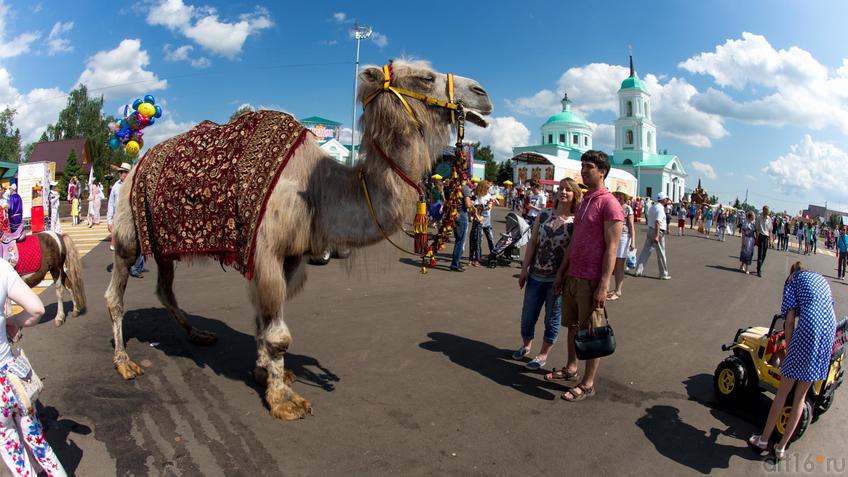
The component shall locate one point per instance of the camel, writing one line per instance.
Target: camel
(316, 203)
(60, 257)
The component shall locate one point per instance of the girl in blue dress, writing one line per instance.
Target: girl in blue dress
(807, 303)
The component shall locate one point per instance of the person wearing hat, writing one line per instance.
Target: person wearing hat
(657, 230)
(16, 209)
(112, 206)
(437, 200)
(53, 197)
(626, 244)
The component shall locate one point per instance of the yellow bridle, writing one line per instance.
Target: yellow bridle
(450, 104)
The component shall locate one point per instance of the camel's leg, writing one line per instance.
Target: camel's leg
(165, 293)
(115, 304)
(58, 277)
(268, 291)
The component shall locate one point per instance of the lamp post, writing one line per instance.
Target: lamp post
(360, 32)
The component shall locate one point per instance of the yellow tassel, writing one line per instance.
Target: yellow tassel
(419, 227)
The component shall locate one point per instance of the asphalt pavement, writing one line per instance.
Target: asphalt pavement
(411, 374)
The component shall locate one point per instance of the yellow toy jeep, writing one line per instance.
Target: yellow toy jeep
(755, 365)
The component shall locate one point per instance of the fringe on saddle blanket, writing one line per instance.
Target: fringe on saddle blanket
(203, 192)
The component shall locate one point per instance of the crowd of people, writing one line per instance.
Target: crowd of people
(584, 237)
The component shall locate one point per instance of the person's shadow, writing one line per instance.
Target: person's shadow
(232, 356)
(491, 362)
(686, 444)
(58, 432)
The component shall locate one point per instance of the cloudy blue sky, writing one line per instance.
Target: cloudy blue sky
(751, 95)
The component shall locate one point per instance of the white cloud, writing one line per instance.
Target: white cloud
(705, 169)
(543, 103)
(603, 136)
(502, 134)
(594, 87)
(35, 109)
(811, 165)
(379, 39)
(55, 43)
(344, 135)
(202, 25)
(164, 129)
(121, 72)
(340, 17)
(19, 45)
(799, 90)
(183, 53)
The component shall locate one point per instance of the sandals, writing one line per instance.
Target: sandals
(612, 296)
(562, 374)
(757, 443)
(586, 392)
(779, 454)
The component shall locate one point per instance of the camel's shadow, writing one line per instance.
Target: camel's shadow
(493, 363)
(233, 356)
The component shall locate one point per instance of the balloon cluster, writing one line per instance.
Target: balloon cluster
(128, 131)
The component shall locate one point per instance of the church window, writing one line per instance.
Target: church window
(574, 139)
(585, 140)
(648, 110)
(630, 109)
(562, 138)
(627, 162)
(629, 137)
(550, 138)
(650, 140)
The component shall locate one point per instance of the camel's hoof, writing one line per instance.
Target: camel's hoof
(291, 409)
(202, 337)
(59, 322)
(128, 369)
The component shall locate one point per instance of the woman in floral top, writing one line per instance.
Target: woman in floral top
(545, 251)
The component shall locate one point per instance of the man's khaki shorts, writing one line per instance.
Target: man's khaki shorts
(578, 307)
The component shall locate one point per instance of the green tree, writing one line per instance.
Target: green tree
(713, 200)
(736, 203)
(244, 108)
(505, 172)
(29, 147)
(833, 221)
(10, 137)
(72, 169)
(484, 154)
(83, 118)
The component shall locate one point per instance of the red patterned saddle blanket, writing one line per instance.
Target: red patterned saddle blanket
(29, 256)
(204, 192)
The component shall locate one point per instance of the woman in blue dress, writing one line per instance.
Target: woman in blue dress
(746, 255)
(807, 303)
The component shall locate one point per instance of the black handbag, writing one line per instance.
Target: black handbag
(595, 342)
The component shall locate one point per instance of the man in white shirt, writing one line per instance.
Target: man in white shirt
(763, 225)
(657, 230)
(536, 202)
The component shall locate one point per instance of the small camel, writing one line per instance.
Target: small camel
(316, 203)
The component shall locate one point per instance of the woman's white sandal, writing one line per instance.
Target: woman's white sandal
(757, 442)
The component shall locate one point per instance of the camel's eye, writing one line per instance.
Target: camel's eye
(428, 78)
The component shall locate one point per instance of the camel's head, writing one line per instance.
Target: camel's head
(419, 77)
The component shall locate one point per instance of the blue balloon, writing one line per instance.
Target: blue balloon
(151, 121)
(136, 103)
(114, 143)
(150, 99)
(158, 112)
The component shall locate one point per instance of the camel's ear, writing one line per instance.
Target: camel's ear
(371, 75)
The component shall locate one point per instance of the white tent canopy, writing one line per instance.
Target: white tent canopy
(528, 165)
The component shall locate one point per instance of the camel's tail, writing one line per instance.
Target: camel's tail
(74, 273)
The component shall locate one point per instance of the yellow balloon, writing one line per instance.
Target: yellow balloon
(132, 148)
(147, 109)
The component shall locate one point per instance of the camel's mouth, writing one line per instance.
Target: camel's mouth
(476, 117)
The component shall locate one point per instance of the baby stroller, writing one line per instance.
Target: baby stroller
(507, 249)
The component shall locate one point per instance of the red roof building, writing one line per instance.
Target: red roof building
(57, 151)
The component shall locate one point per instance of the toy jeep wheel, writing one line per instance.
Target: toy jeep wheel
(730, 380)
(803, 422)
(823, 403)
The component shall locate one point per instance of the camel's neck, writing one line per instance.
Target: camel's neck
(345, 217)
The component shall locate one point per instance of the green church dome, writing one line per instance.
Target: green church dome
(634, 83)
(566, 116)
